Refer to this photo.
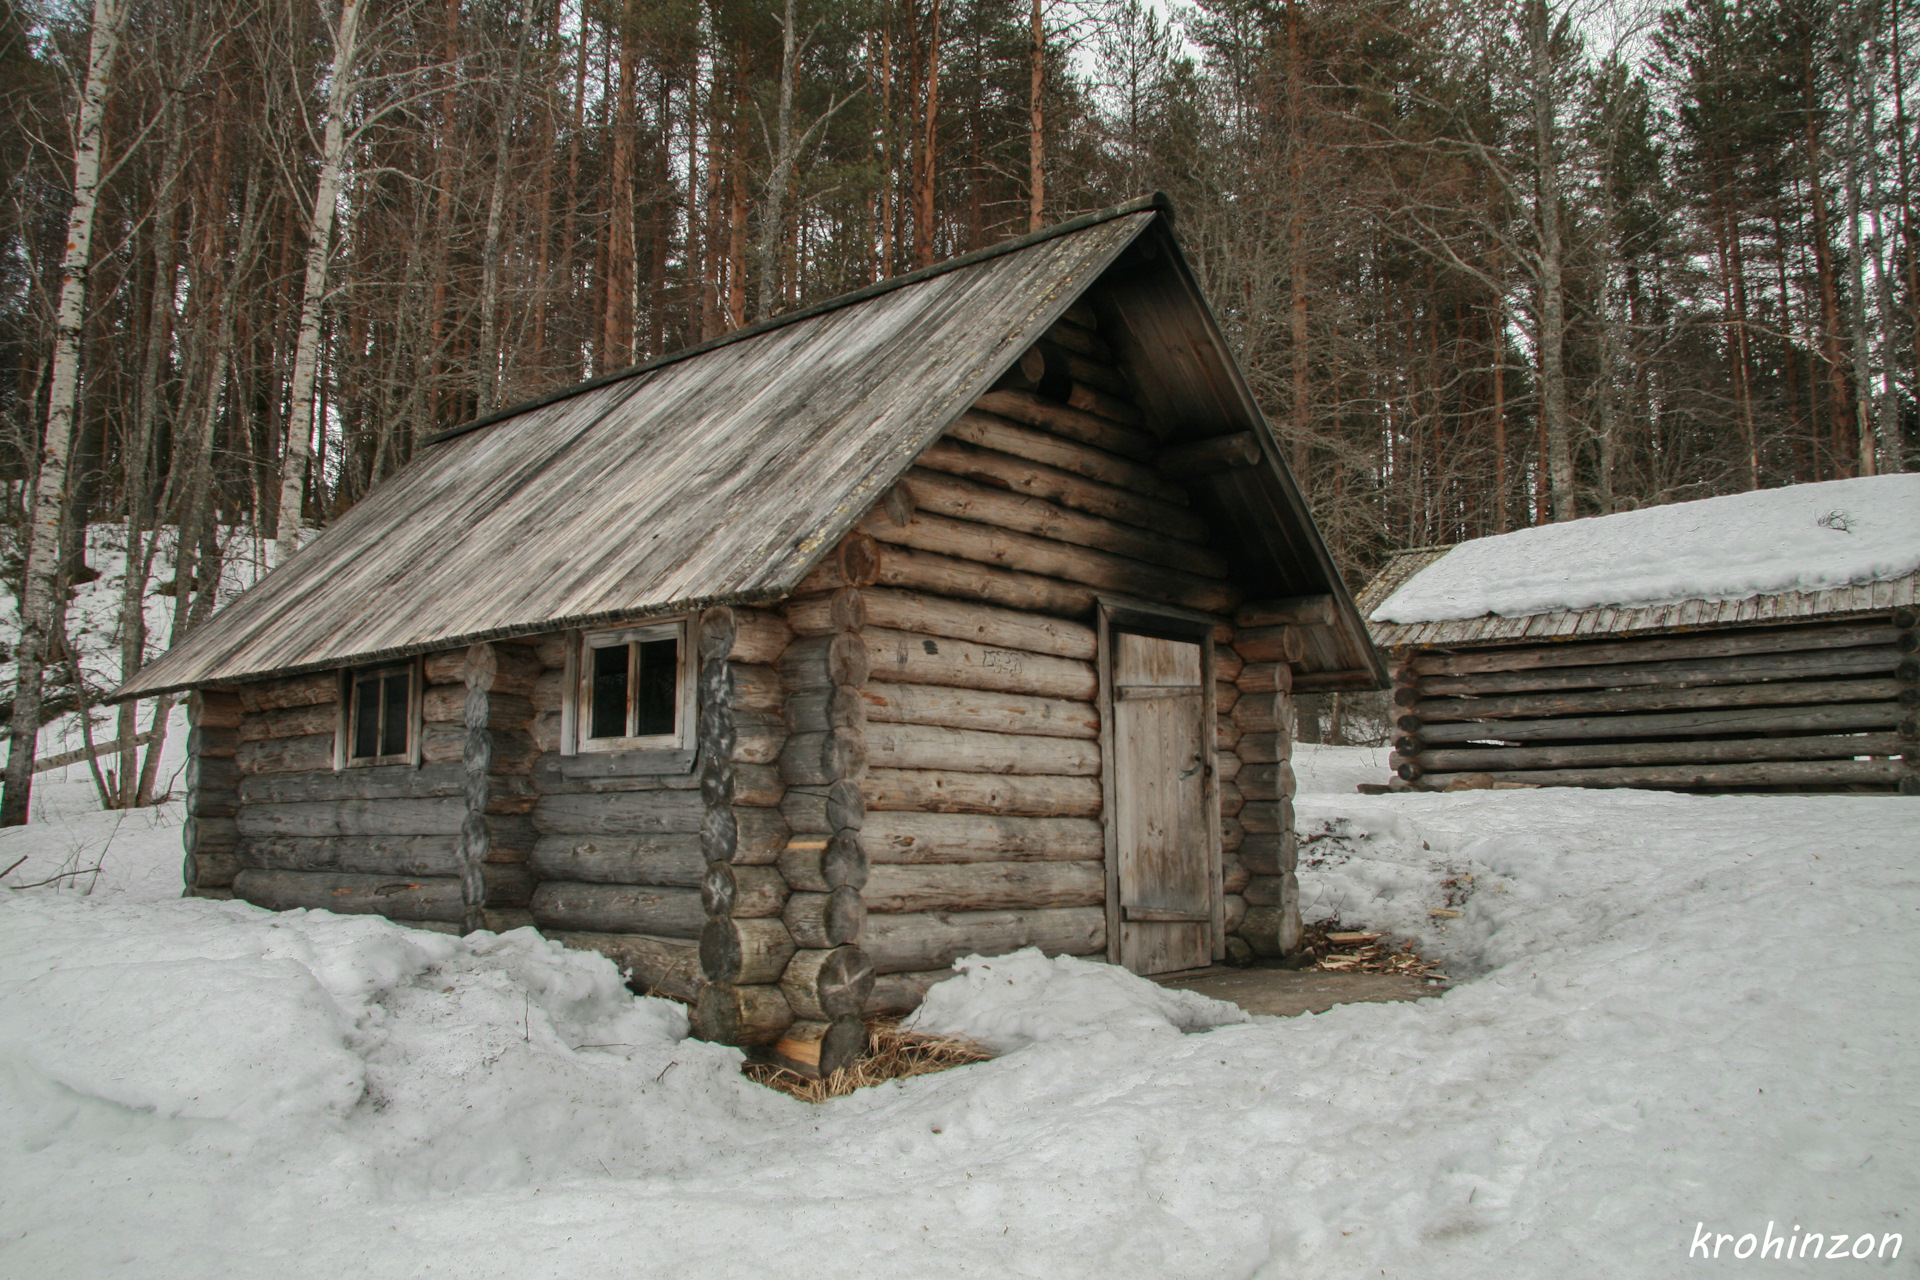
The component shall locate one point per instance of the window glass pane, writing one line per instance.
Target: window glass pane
(366, 717)
(393, 733)
(659, 682)
(609, 713)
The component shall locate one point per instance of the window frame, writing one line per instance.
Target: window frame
(666, 749)
(347, 719)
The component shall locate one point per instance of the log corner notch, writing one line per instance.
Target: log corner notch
(210, 837)
(1263, 717)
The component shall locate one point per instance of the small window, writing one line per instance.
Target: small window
(380, 715)
(635, 689)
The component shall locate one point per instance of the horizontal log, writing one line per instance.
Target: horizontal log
(823, 710)
(1053, 484)
(1265, 713)
(1288, 611)
(1264, 677)
(214, 870)
(1105, 402)
(743, 892)
(1536, 705)
(1266, 781)
(964, 579)
(440, 816)
(618, 908)
(757, 688)
(1270, 853)
(1227, 665)
(1032, 410)
(1593, 755)
(667, 967)
(1231, 801)
(829, 809)
(760, 636)
(757, 742)
(895, 995)
(1225, 697)
(635, 813)
(1714, 644)
(1234, 874)
(1774, 773)
(396, 897)
(1746, 669)
(925, 614)
(208, 835)
(821, 662)
(286, 755)
(214, 709)
(885, 702)
(290, 722)
(605, 771)
(1267, 817)
(841, 610)
(1271, 644)
(984, 886)
(367, 855)
(516, 668)
(829, 919)
(941, 494)
(923, 941)
(822, 758)
(949, 791)
(749, 951)
(828, 983)
(1226, 765)
(1211, 456)
(747, 1015)
(1025, 553)
(1263, 748)
(1226, 735)
(514, 751)
(295, 691)
(914, 746)
(912, 838)
(673, 861)
(1003, 435)
(1233, 911)
(746, 836)
(1358, 680)
(448, 704)
(901, 657)
(1862, 715)
(821, 863)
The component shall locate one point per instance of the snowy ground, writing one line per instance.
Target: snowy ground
(1672, 1011)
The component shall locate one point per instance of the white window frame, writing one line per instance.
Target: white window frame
(343, 757)
(577, 715)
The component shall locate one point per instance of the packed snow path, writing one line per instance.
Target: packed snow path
(1672, 1011)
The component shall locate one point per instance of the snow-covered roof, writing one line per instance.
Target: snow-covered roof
(1807, 550)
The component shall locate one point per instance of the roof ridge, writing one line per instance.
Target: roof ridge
(1157, 201)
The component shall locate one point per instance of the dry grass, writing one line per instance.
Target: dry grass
(893, 1053)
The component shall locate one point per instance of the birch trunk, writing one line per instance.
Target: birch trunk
(50, 489)
(1554, 411)
(313, 293)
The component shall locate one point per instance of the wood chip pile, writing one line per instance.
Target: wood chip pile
(1338, 949)
(893, 1053)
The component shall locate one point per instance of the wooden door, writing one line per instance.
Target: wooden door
(1163, 841)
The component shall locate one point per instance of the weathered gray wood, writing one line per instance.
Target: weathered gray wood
(208, 774)
(1265, 713)
(828, 984)
(1715, 644)
(821, 710)
(822, 863)
(991, 625)
(949, 791)
(289, 722)
(1209, 457)
(912, 570)
(620, 813)
(748, 951)
(885, 702)
(757, 688)
(441, 816)
(1265, 677)
(1784, 774)
(618, 908)
(209, 834)
(1597, 754)
(1534, 705)
(673, 861)
(214, 871)
(1057, 419)
(822, 662)
(1052, 483)
(398, 897)
(919, 942)
(1290, 611)
(759, 636)
(747, 836)
(819, 920)
(895, 995)
(1270, 854)
(1820, 664)
(912, 746)
(1025, 553)
(369, 855)
(517, 668)
(742, 892)
(285, 755)
(1862, 715)
(1286, 644)
(1271, 781)
(823, 758)
(837, 807)
(215, 709)
(840, 610)
(1263, 748)
(899, 657)
(294, 691)
(940, 494)
(905, 837)
(667, 967)
(984, 886)
(743, 1015)
(1162, 840)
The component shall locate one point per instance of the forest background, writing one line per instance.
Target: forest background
(1486, 262)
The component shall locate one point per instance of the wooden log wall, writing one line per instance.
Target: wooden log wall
(1830, 706)
(971, 589)
(444, 845)
(213, 799)
(1261, 727)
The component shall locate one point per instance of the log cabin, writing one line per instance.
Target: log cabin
(956, 615)
(1755, 642)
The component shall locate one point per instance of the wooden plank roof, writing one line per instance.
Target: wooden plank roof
(719, 474)
(1784, 607)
